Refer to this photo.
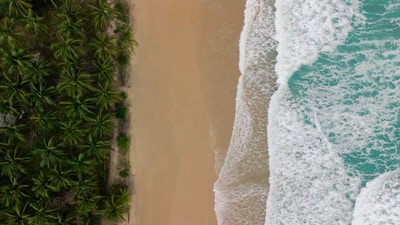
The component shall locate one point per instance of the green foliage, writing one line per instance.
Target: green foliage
(102, 14)
(18, 7)
(123, 58)
(120, 112)
(125, 171)
(8, 34)
(107, 96)
(123, 95)
(67, 48)
(103, 46)
(125, 40)
(117, 205)
(58, 98)
(102, 125)
(97, 148)
(104, 70)
(123, 142)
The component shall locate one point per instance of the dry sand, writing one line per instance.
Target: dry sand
(181, 93)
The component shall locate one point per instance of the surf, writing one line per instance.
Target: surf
(242, 187)
(317, 126)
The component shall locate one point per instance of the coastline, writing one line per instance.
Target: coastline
(172, 93)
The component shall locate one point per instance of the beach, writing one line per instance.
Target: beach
(181, 95)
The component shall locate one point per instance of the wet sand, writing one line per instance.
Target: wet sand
(181, 94)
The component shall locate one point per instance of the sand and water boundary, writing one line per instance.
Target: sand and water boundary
(181, 95)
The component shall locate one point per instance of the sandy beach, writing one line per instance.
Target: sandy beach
(181, 94)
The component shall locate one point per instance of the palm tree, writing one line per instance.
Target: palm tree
(71, 26)
(103, 46)
(15, 132)
(9, 106)
(64, 218)
(100, 149)
(19, 7)
(125, 38)
(41, 188)
(70, 5)
(60, 177)
(50, 153)
(102, 14)
(102, 125)
(72, 132)
(68, 48)
(8, 32)
(84, 186)
(86, 205)
(39, 71)
(74, 82)
(40, 96)
(20, 215)
(104, 70)
(14, 87)
(106, 95)
(33, 22)
(90, 217)
(116, 206)
(78, 107)
(13, 162)
(44, 122)
(42, 214)
(82, 165)
(16, 60)
(14, 192)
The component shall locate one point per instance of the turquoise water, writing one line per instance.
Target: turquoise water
(359, 81)
(318, 115)
(334, 123)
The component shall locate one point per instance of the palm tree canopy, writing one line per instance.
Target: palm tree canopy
(72, 132)
(102, 14)
(49, 152)
(103, 46)
(17, 60)
(68, 48)
(13, 162)
(8, 32)
(79, 107)
(19, 7)
(107, 97)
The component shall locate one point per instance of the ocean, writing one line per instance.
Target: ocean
(316, 134)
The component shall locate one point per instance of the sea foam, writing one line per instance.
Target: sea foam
(307, 27)
(378, 202)
(333, 123)
(334, 120)
(242, 187)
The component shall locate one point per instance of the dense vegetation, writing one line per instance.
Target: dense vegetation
(59, 68)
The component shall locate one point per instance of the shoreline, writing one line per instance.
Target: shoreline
(174, 105)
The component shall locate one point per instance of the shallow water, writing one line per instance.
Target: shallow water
(333, 122)
(242, 187)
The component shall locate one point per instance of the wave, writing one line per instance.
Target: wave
(334, 121)
(317, 126)
(242, 187)
(307, 27)
(378, 202)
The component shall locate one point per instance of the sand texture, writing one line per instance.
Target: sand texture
(181, 96)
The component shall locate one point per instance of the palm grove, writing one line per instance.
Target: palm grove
(58, 106)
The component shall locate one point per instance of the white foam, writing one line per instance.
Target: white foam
(344, 105)
(304, 28)
(309, 136)
(379, 201)
(308, 182)
(255, 39)
(242, 187)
